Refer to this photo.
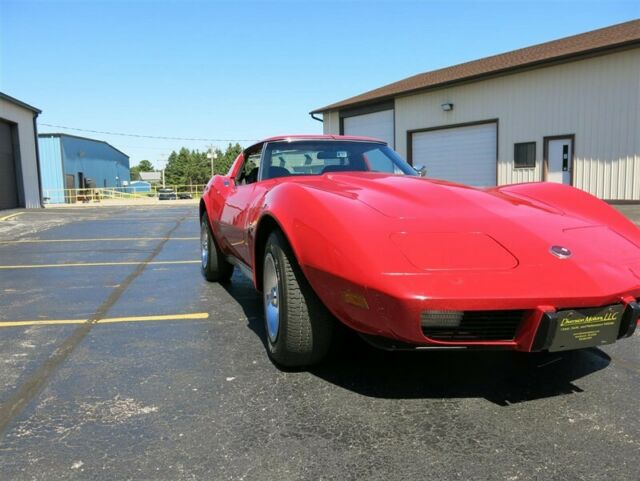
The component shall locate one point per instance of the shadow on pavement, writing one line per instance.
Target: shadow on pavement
(501, 377)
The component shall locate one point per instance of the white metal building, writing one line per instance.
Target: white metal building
(154, 177)
(563, 111)
(19, 168)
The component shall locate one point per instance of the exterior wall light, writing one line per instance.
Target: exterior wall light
(447, 107)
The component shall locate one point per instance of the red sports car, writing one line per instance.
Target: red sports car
(341, 227)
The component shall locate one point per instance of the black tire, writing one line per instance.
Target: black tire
(213, 265)
(305, 325)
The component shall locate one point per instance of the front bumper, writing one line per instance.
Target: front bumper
(513, 324)
(526, 330)
(535, 332)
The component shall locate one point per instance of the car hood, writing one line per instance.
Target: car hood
(440, 225)
(410, 197)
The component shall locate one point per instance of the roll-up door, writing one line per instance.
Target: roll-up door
(8, 180)
(377, 124)
(460, 154)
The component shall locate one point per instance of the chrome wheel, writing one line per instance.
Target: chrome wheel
(204, 243)
(271, 297)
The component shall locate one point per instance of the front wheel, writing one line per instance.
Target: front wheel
(298, 325)
(214, 266)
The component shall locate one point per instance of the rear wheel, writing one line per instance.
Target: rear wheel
(298, 325)
(214, 266)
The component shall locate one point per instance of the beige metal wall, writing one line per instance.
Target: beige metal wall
(331, 123)
(27, 146)
(597, 99)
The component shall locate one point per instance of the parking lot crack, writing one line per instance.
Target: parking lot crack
(34, 384)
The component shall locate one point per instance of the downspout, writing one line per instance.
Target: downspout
(35, 134)
(313, 116)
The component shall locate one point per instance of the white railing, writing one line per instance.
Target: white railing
(132, 193)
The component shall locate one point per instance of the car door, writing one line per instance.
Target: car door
(237, 212)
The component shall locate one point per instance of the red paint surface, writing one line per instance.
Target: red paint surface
(408, 244)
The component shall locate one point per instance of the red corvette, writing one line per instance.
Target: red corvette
(341, 227)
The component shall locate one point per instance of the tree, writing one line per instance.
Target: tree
(143, 166)
(224, 161)
(187, 167)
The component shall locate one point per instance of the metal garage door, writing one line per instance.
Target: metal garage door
(377, 124)
(462, 154)
(8, 184)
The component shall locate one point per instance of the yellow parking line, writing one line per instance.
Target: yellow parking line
(96, 239)
(43, 322)
(108, 320)
(167, 317)
(10, 216)
(96, 264)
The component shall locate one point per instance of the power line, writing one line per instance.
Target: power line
(147, 136)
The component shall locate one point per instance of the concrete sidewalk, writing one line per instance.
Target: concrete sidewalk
(142, 201)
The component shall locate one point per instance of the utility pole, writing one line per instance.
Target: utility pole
(163, 162)
(212, 155)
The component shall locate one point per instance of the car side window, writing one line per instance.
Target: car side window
(250, 168)
(378, 162)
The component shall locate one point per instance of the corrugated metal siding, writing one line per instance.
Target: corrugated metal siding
(96, 160)
(596, 99)
(51, 169)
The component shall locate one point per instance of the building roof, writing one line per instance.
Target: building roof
(154, 176)
(57, 134)
(20, 103)
(565, 49)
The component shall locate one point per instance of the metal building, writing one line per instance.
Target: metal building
(72, 162)
(19, 171)
(562, 111)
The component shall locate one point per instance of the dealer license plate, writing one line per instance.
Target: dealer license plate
(578, 328)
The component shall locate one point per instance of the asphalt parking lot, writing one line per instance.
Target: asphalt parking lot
(120, 362)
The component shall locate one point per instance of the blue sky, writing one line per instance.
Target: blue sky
(247, 70)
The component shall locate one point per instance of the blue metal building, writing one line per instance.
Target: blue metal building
(72, 162)
(138, 187)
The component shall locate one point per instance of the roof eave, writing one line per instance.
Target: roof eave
(575, 56)
(61, 134)
(20, 103)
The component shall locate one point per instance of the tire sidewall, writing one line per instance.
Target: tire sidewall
(210, 269)
(305, 325)
(205, 266)
(275, 347)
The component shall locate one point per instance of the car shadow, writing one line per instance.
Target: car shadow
(501, 377)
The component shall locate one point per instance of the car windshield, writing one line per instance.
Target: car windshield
(317, 157)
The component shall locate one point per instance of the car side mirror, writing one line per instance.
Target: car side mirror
(421, 170)
(229, 182)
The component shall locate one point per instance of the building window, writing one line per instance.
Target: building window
(524, 155)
